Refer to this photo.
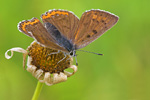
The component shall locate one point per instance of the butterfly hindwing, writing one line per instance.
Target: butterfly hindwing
(92, 25)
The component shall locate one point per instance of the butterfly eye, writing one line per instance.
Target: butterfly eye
(94, 31)
(71, 53)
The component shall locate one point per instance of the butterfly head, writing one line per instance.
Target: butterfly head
(73, 53)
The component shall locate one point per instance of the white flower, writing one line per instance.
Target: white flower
(43, 63)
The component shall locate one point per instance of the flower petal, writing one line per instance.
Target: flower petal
(30, 68)
(68, 73)
(57, 78)
(38, 73)
(17, 49)
(48, 79)
(74, 70)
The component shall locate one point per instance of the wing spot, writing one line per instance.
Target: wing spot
(88, 36)
(95, 13)
(93, 20)
(94, 31)
(97, 21)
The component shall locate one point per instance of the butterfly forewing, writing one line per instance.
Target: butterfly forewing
(22, 27)
(92, 25)
(65, 21)
(35, 29)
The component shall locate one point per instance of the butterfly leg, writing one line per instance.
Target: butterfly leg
(68, 58)
(54, 53)
(62, 58)
(76, 61)
(74, 55)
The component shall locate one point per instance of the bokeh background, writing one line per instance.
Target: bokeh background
(123, 73)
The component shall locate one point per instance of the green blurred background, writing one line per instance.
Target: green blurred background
(123, 73)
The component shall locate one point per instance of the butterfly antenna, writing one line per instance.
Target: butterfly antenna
(91, 52)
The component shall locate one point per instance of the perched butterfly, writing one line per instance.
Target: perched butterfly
(62, 30)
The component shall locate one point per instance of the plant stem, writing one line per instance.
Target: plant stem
(37, 90)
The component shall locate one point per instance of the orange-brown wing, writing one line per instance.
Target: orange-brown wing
(35, 29)
(92, 25)
(22, 27)
(66, 22)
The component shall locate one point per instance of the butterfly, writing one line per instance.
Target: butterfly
(62, 30)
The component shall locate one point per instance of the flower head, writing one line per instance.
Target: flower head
(45, 64)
